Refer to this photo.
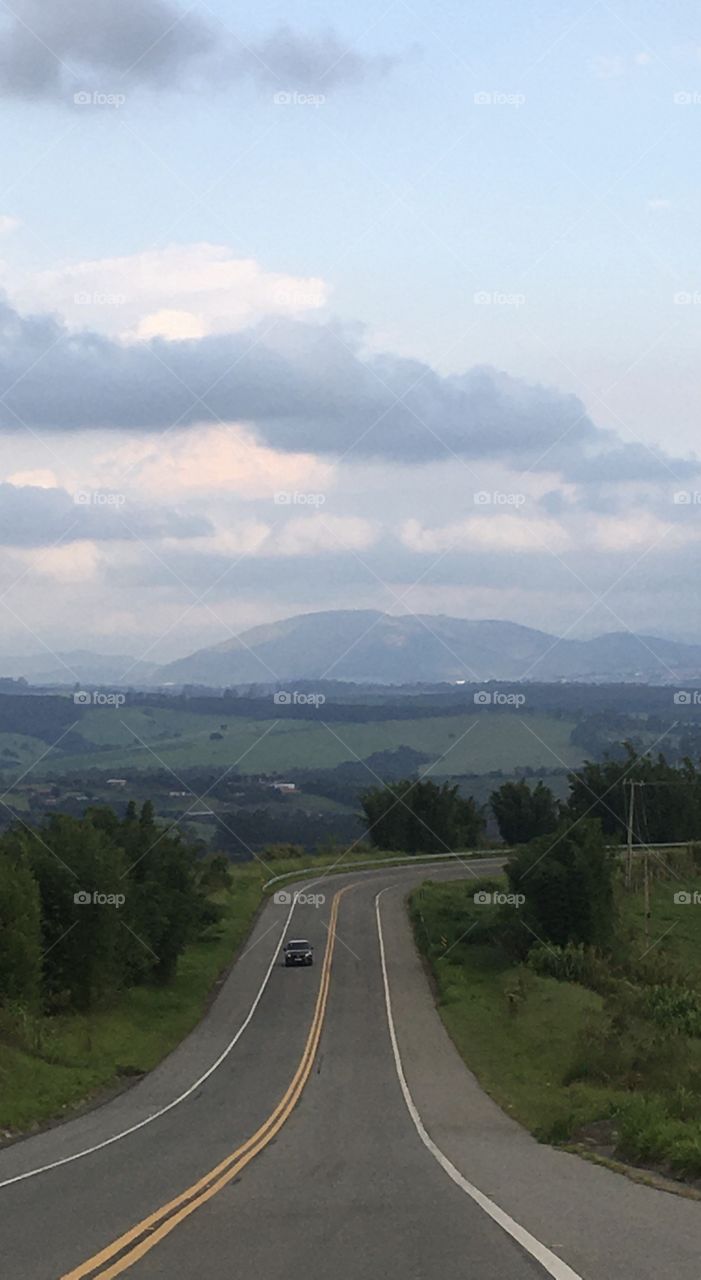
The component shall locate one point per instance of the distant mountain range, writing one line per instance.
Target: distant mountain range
(371, 647)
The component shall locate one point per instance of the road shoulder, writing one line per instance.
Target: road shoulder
(596, 1220)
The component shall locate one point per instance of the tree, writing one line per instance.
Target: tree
(421, 817)
(215, 873)
(566, 880)
(668, 806)
(20, 931)
(522, 813)
(78, 871)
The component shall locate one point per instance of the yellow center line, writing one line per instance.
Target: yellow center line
(164, 1220)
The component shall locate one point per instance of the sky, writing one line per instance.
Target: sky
(347, 306)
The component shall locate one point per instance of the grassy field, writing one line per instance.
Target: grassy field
(548, 1052)
(137, 739)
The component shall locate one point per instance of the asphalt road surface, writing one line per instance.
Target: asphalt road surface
(319, 1122)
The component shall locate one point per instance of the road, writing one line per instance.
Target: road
(320, 1121)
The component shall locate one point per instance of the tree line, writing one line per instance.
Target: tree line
(91, 905)
(420, 816)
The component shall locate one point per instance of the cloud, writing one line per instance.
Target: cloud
(8, 224)
(219, 459)
(49, 49)
(182, 291)
(31, 516)
(511, 534)
(306, 388)
(324, 535)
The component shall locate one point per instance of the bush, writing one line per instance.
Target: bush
(454, 920)
(284, 852)
(567, 882)
(621, 1048)
(678, 1008)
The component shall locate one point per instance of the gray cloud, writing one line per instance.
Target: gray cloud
(338, 577)
(306, 387)
(49, 49)
(32, 517)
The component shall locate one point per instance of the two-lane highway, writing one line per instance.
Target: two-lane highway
(320, 1120)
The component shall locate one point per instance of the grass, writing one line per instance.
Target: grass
(561, 1059)
(474, 743)
(50, 1066)
(79, 1056)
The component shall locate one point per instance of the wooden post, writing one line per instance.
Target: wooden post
(631, 814)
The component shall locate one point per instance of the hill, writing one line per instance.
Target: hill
(364, 645)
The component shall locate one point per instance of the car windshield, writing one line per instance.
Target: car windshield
(299, 946)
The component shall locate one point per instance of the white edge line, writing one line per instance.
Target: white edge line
(117, 1137)
(554, 1266)
(125, 1133)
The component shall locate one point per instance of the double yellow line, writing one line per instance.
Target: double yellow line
(139, 1240)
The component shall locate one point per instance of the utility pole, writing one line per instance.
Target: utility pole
(631, 815)
(646, 859)
(646, 882)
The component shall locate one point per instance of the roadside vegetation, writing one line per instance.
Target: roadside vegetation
(579, 1014)
(94, 992)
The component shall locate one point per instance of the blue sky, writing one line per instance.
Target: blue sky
(451, 186)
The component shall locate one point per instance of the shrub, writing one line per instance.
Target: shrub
(619, 1047)
(676, 1007)
(573, 963)
(567, 882)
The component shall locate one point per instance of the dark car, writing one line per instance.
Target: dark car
(298, 951)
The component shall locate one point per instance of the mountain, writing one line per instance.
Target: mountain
(364, 645)
(77, 667)
(371, 647)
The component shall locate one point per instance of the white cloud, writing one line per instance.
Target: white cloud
(637, 532)
(320, 534)
(182, 291)
(214, 459)
(494, 532)
(40, 479)
(8, 224)
(76, 563)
